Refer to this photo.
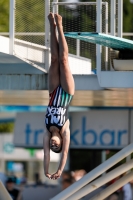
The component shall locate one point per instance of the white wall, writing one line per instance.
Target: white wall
(4, 44)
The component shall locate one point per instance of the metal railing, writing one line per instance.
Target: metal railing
(79, 188)
(4, 195)
(43, 34)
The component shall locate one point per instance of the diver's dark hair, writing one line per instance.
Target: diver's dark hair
(58, 150)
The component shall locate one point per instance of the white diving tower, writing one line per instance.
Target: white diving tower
(24, 63)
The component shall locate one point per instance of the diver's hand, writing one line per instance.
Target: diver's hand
(48, 175)
(56, 175)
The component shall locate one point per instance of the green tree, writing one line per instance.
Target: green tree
(6, 127)
(4, 15)
(30, 15)
(127, 16)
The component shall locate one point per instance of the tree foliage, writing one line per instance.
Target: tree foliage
(127, 16)
(4, 15)
(31, 13)
(6, 127)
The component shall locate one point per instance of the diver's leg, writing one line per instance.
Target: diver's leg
(66, 78)
(53, 76)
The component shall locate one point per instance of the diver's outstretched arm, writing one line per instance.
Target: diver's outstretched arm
(65, 148)
(46, 153)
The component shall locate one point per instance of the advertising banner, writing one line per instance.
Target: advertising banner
(103, 129)
(94, 129)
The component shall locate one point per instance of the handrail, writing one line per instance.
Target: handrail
(76, 3)
(95, 173)
(4, 195)
(12, 26)
(102, 180)
(42, 33)
(32, 44)
(114, 187)
(24, 33)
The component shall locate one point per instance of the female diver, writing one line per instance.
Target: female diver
(61, 90)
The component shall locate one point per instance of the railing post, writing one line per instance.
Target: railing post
(101, 181)
(106, 32)
(114, 187)
(94, 173)
(11, 26)
(98, 47)
(120, 18)
(55, 7)
(4, 195)
(113, 17)
(113, 23)
(55, 10)
(47, 31)
(78, 47)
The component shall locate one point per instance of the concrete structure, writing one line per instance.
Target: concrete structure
(17, 74)
(21, 74)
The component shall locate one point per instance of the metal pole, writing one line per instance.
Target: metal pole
(78, 47)
(103, 159)
(94, 173)
(118, 184)
(98, 47)
(78, 3)
(113, 17)
(55, 10)
(11, 26)
(55, 6)
(47, 31)
(128, 158)
(120, 18)
(113, 23)
(3, 193)
(106, 32)
(102, 180)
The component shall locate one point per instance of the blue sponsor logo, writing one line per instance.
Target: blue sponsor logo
(79, 137)
(36, 134)
(115, 137)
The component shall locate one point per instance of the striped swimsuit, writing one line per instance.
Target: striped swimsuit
(57, 109)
